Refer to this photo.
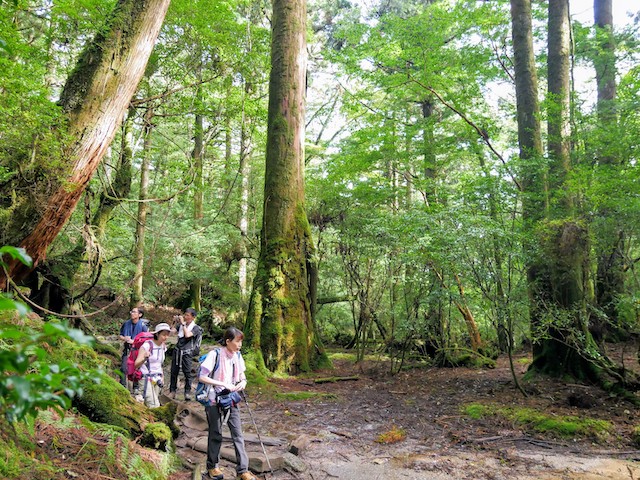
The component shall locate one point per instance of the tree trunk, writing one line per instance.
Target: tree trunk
(141, 223)
(246, 149)
(605, 61)
(198, 194)
(285, 332)
(120, 186)
(558, 126)
(610, 269)
(563, 344)
(95, 98)
(528, 112)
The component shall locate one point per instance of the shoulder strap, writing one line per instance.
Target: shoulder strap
(216, 363)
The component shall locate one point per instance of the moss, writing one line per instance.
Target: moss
(635, 436)
(346, 356)
(27, 455)
(561, 425)
(475, 410)
(394, 435)
(158, 436)
(19, 457)
(109, 402)
(166, 414)
(296, 396)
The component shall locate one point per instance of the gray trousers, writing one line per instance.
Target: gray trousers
(214, 440)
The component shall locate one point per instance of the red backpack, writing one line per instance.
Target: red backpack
(134, 373)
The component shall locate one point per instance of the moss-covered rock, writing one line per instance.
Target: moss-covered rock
(109, 402)
(166, 414)
(157, 435)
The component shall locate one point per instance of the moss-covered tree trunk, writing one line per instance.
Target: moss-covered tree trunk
(562, 342)
(530, 143)
(558, 269)
(280, 323)
(95, 98)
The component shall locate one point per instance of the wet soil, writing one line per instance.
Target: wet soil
(347, 422)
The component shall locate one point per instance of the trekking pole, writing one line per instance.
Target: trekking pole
(264, 450)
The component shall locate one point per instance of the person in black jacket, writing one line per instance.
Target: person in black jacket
(188, 347)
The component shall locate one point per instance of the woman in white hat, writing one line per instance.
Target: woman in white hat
(149, 361)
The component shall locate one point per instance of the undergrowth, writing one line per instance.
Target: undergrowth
(53, 448)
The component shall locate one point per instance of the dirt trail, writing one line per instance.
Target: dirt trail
(344, 419)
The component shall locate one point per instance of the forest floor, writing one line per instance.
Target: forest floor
(345, 423)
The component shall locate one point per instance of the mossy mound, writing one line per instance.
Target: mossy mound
(109, 402)
(158, 436)
(54, 448)
(166, 414)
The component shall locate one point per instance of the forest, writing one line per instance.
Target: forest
(433, 190)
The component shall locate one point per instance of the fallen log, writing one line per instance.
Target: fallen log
(335, 379)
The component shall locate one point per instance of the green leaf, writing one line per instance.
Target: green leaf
(17, 254)
(10, 304)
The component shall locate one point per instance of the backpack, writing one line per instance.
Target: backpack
(134, 374)
(202, 389)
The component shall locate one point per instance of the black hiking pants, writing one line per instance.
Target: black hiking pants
(182, 360)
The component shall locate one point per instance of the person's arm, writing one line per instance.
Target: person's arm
(188, 333)
(143, 354)
(205, 371)
(124, 338)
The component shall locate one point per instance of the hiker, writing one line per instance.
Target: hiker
(128, 332)
(149, 361)
(228, 369)
(188, 347)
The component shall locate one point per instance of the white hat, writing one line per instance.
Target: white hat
(162, 326)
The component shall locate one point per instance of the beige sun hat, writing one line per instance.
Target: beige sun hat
(162, 326)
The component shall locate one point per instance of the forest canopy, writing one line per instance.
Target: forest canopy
(469, 174)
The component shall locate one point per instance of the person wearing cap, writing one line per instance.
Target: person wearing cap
(188, 347)
(149, 361)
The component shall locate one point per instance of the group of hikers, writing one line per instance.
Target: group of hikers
(223, 369)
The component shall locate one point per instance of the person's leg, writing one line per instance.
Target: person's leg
(123, 368)
(214, 438)
(175, 368)
(235, 427)
(152, 395)
(187, 362)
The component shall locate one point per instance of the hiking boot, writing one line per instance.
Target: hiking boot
(246, 476)
(214, 473)
(187, 397)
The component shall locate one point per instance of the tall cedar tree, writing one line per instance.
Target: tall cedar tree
(610, 248)
(95, 98)
(280, 322)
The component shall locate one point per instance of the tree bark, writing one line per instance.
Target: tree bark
(198, 194)
(528, 111)
(558, 114)
(246, 148)
(284, 332)
(95, 98)
(141, 219)
(610, 247)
